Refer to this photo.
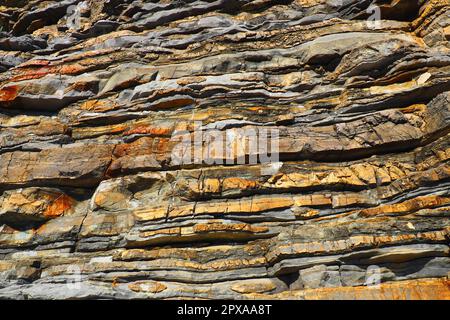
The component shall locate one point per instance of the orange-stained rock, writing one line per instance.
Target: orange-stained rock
(59, 206)
(8, 93)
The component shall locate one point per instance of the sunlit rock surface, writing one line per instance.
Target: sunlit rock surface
(103, 193)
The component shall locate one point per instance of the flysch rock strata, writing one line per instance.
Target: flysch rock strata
(99, 98)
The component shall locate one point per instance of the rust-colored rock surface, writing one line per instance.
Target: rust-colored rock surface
(232, 149)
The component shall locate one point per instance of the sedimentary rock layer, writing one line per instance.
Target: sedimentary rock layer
(127, 169)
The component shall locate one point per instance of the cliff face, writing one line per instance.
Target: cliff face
(127, 159)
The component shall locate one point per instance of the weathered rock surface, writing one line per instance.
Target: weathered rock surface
(100, 101)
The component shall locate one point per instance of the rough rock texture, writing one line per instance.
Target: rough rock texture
(96, 95)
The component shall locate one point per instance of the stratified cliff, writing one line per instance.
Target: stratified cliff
(114, 115)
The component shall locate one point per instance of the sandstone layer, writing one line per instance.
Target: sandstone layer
(99, 97)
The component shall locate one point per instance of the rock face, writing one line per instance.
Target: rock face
(126, 170)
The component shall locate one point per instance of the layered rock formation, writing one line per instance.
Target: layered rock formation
(99, 98)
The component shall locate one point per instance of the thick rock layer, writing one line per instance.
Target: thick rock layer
(102, 101)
